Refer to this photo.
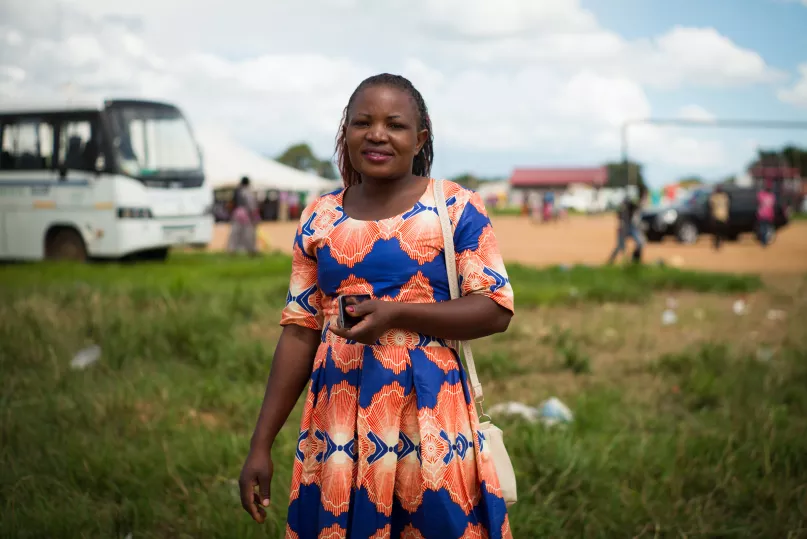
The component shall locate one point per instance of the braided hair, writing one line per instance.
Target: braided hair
(422, 163)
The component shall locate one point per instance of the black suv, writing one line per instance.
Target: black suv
(689, 219)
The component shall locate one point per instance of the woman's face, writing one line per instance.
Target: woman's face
(382, 133)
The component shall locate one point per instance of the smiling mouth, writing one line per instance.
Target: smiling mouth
(375, 156)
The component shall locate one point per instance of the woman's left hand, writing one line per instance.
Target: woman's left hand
(377, 317)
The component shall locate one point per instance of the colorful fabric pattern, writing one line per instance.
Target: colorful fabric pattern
(389, 444)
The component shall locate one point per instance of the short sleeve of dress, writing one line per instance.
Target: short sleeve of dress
(303, 300)
(479, 262)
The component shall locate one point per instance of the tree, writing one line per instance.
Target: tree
(467, 180)
(327, 171)
(691, 181)
(301, 157)
(796, 157)
(620, 175)
(789, 156)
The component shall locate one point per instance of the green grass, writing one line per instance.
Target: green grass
(725, 456)
(578, 284)
(151, 438)
(509, 211)
(267, 278)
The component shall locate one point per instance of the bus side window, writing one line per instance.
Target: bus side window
(27, 145)
(78, 148)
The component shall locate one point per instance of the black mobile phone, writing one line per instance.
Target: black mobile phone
(345, 320)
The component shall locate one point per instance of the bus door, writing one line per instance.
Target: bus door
(27, 177)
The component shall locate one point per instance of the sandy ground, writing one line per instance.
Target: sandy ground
(589, 240)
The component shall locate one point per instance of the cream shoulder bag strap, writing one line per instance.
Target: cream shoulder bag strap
(491, 434)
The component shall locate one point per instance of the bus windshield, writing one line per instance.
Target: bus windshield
(153, 140)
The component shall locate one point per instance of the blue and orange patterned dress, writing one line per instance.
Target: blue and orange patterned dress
(389, 445)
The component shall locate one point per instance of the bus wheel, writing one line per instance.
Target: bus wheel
(155, 255)
(65, 244)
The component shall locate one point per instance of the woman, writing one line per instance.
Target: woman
(387, 446)
(244, 219)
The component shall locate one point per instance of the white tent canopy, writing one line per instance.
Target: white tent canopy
(226, 162)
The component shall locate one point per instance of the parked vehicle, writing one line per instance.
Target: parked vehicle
(689, 219)
(106, 179)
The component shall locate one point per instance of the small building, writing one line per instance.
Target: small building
(530, 184)
(557, 180)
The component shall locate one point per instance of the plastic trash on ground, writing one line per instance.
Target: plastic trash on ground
(740, 307)
(86, 357)
(764, 353)
(668, 317)
(516, 408)
(552, 412)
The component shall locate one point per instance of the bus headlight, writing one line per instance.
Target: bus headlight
(134, 213)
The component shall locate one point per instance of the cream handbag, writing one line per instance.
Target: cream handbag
(492, 434)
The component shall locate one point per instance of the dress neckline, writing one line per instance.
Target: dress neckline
(429, 189)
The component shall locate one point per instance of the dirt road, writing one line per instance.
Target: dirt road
(589, 240)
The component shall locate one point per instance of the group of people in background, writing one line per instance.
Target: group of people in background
(245, 217)
(720, 206)
(629, 220)
(542, 209)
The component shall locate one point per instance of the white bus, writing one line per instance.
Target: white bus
(105, 180)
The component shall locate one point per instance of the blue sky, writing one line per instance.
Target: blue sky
(777, 30)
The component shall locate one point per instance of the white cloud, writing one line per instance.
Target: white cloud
(695, 112)
(676, 147)
(796, 94)
(505, 18)
(541, 76)
(699, 57)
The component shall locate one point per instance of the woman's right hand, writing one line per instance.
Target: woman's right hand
(256, 472)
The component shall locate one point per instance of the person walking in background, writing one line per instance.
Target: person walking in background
(628, 225)
(766, 203)
(719, 203)
(623, 214)
(389, 442)
(636, 225)
(244, 220)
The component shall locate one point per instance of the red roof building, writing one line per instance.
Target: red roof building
(557, 178)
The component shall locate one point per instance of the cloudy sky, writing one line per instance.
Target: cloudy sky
(524, 83)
